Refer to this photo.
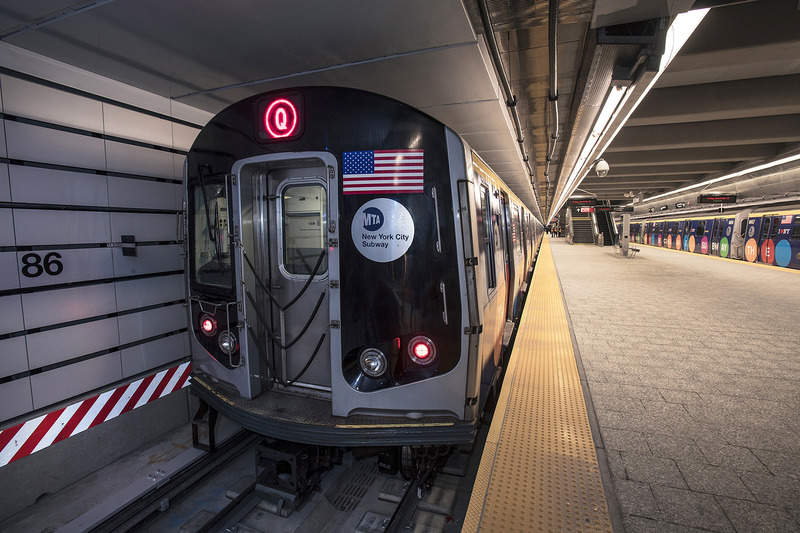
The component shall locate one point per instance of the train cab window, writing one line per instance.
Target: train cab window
(211, 264)
(304, 213)
(743, 228)
(485, 236)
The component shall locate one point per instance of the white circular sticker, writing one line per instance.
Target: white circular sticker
(382, 230)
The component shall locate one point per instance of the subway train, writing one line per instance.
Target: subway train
(767, 235)
(353, 266)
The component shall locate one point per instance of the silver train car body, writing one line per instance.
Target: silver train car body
(329, 310)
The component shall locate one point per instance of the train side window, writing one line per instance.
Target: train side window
(743, 228)
(304, 212)
(485, 236)
(764, 228)
(700, 229)
(775, 223)
(796, 231)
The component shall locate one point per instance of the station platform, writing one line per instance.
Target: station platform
(539, 470)
(693, 372)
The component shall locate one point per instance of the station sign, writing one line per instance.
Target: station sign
(280, 118)
(586, 209)
(716, 199)
(623, 209)
(663, 208)
(680, 205)
(582, 202)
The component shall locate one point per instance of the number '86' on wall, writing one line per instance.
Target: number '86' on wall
(33, 265)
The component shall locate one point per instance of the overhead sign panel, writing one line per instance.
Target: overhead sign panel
(716, 199)
(582, 202)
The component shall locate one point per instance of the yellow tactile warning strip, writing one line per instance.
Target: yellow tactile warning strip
(539, 468)
(718, 258)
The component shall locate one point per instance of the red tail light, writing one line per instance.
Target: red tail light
(422, 350)
(208, 325)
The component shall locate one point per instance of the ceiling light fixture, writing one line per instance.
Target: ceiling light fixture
(763, 166)
(677, 34)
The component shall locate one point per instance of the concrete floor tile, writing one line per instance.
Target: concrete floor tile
(785, 464)
(653, 470)
(678, 448)
(773, 490)
(691, 509)
(635, 524)
(636, 498)
(751, 516)
(680, 396)
(714, 480)
(625, 441)
(734, 457)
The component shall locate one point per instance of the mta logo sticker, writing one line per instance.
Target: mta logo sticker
(382, 230)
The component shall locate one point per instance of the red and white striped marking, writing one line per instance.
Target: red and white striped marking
(38, 433)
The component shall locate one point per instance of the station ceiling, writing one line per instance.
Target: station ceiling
(730, 98)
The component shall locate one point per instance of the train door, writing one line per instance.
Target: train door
(506, 229)
(769, 234)
(726, 229)
(679, 235)
(670, 227)
(752, 237)
(704, 236)
(287, 208)
(716, 234)
(524, 236)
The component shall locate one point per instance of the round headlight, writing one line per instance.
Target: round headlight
(227, 342)
(373, 362)
(421, 350)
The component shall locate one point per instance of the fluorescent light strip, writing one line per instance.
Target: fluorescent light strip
(756, 168)
(678, 33)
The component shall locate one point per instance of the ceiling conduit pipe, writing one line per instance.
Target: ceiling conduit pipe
(552, 95)
(511, 99)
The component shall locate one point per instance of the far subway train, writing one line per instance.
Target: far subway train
(353, 266)
(769, 236)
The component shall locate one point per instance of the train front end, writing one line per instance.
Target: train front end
(325, 285)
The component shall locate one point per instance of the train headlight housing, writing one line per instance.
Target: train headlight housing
(422, 350)
(373, 362)
(227, 342)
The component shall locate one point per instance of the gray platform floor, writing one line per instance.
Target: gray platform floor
(693, 367)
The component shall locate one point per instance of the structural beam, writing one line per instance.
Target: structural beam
(776, 95)
(717, 154)
(740, 131)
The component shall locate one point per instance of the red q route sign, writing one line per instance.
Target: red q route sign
(280, 118)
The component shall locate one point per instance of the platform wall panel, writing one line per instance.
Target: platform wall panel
(36, 185)
(5, 189)
(13, 356)
(69, 381)
(152, 322)
(8, 271)
(58, 345)
(149, 291)
(47, 145)
(46, 308)
(15, 399)
(88, 160)
(11, 314)
(22, 98)
(154, 353)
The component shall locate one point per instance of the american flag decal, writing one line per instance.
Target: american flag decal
(383, 171)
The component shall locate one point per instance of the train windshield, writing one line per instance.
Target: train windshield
(211, 257)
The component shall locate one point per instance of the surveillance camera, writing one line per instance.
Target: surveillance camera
(602, 168)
